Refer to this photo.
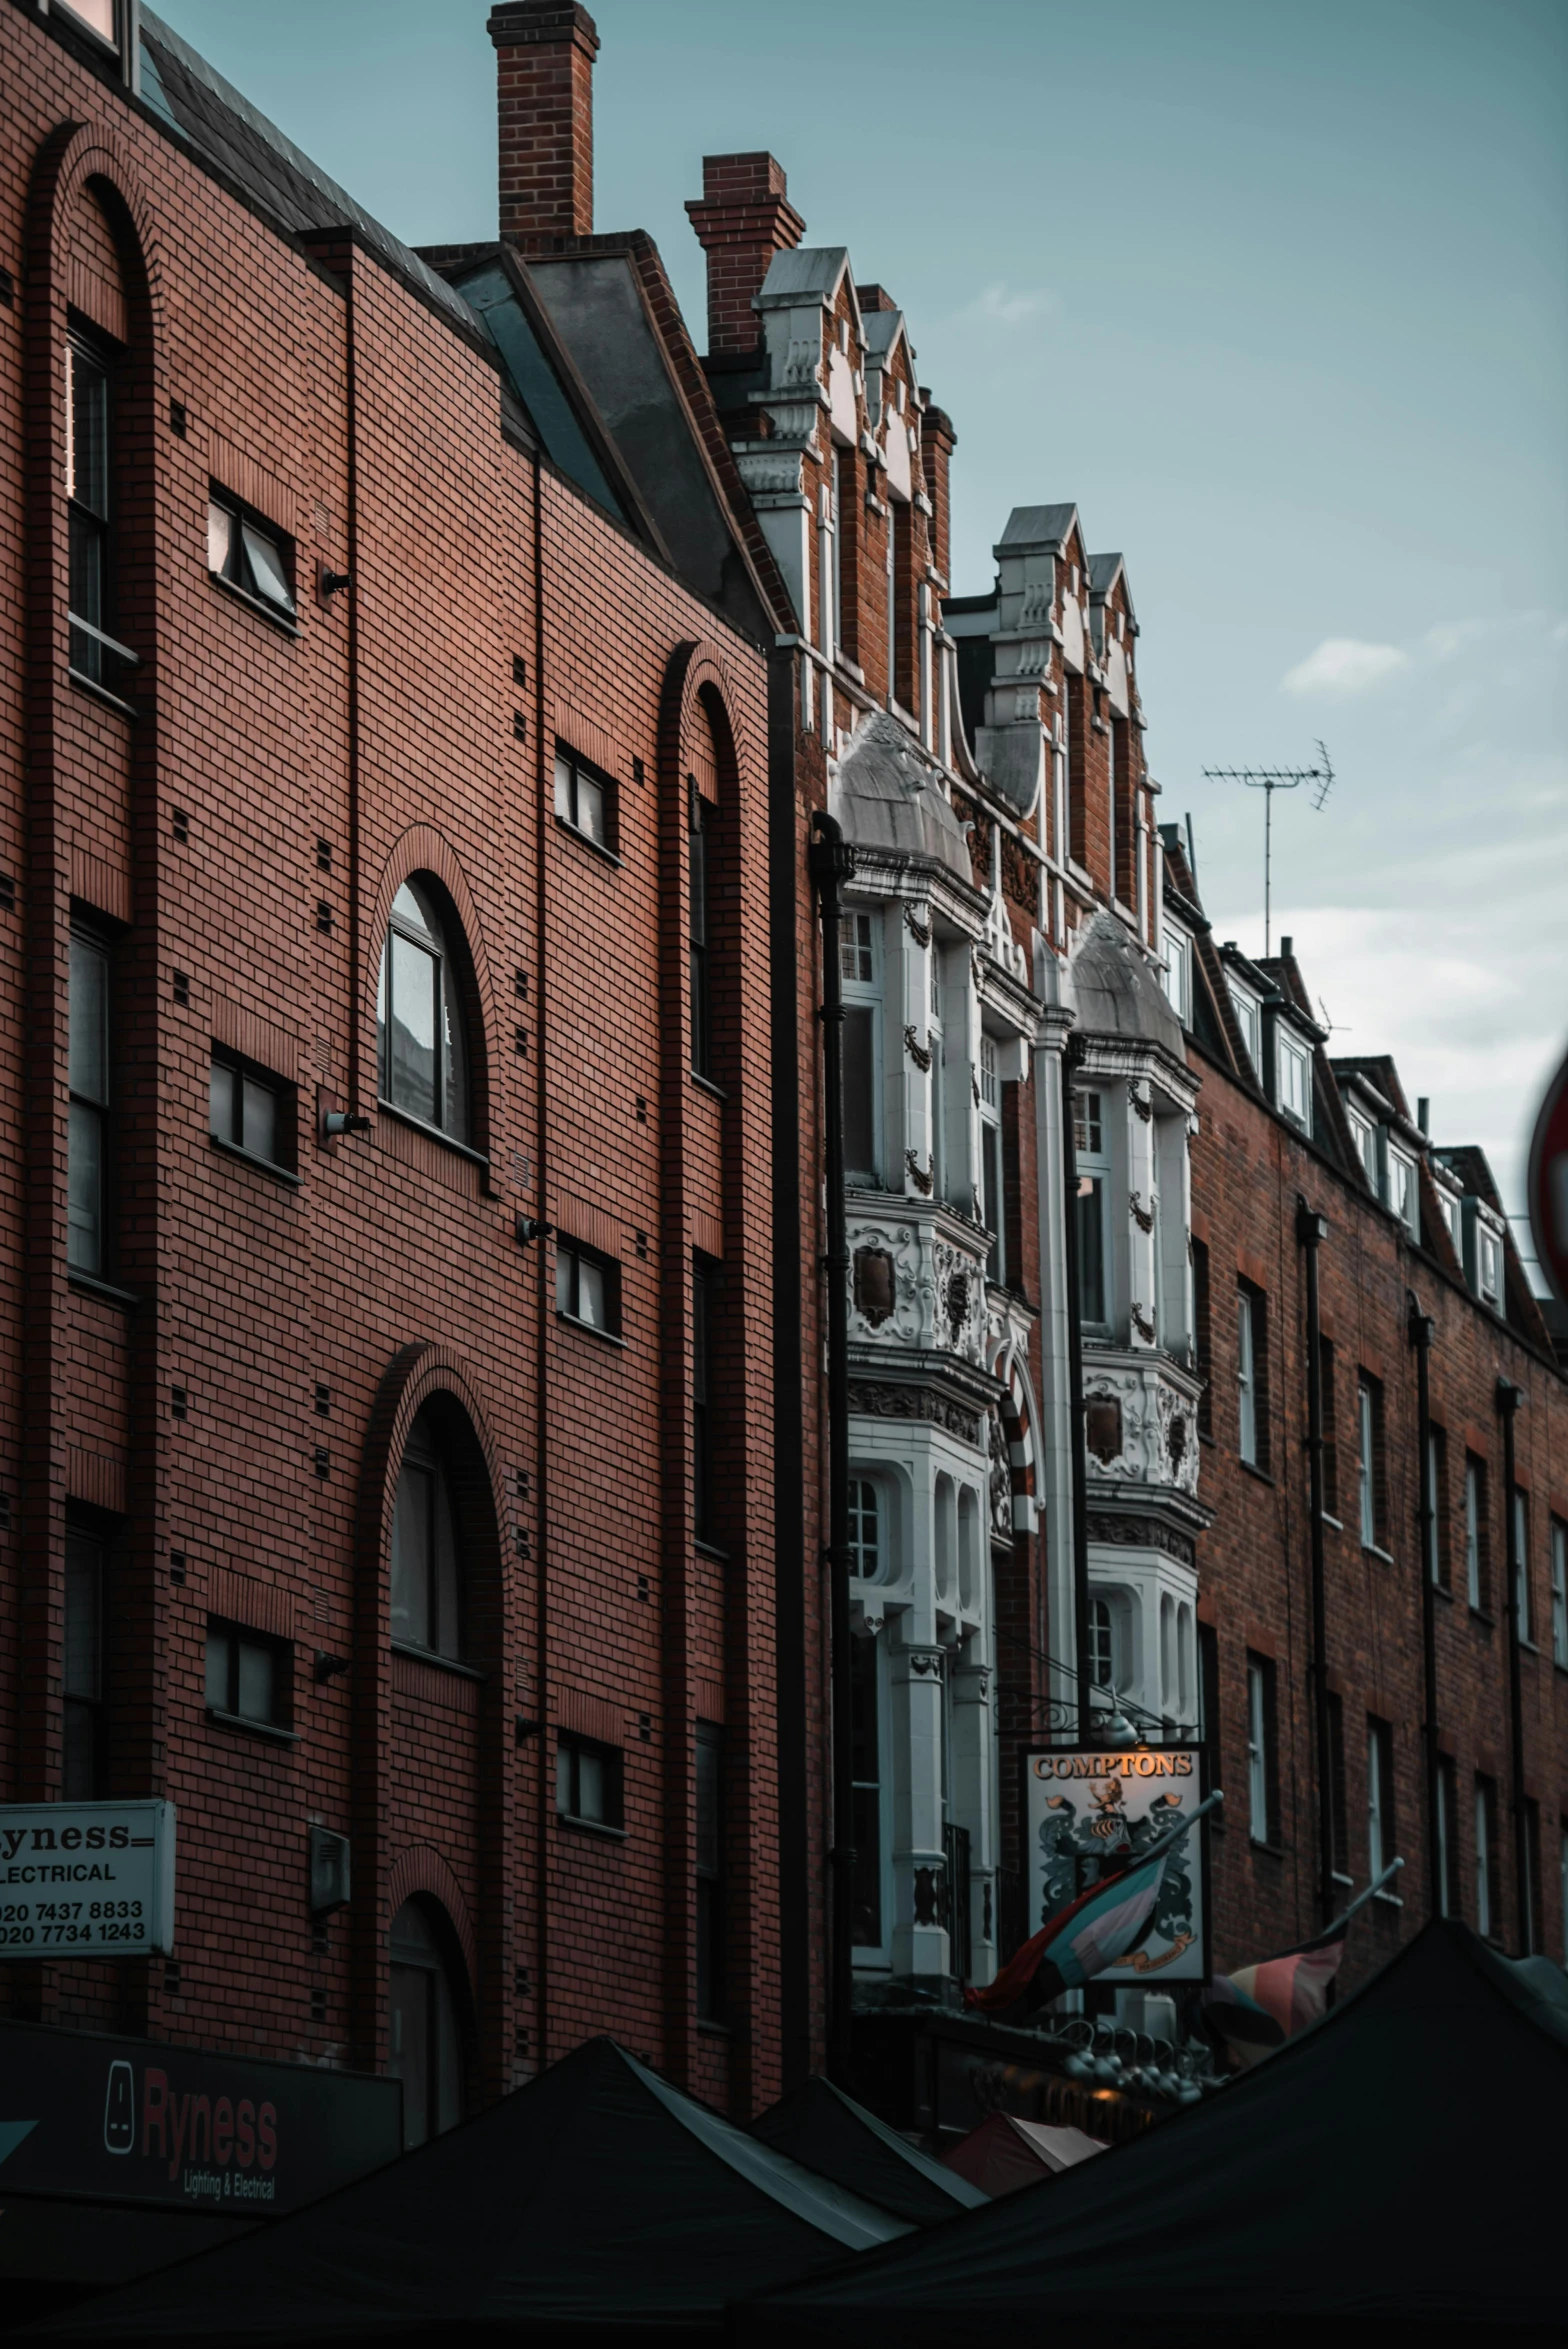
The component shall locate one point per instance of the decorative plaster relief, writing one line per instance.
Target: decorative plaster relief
(922, 1403)
(1138, 1426)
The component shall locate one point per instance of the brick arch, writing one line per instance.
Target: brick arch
(88, 159)
(414, 1376)
(422, 849)
(419, 1868)
(698, 678)
(1019, 1417)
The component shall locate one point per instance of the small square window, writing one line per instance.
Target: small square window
(251, 1113)
(857, 949)
(590, 1781)
(584, 798)
(588, 1287)
(248, 1676)
(250, 557)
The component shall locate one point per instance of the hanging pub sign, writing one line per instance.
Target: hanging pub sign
(86, 1879)
(1086, 1811)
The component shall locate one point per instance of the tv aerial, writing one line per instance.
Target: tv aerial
(1268, 780)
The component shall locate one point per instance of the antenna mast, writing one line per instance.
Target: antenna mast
(1268, 780)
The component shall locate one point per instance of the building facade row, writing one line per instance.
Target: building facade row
(439, 692)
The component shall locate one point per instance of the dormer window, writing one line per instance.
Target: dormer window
(1404, 1191)
(1489, 1267)
(1248, 1020)
(1364, 1134)
(1294, 1075)
(1178, 973)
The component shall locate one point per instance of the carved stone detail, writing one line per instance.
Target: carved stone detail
(922, 1178)
(918, 930)
(901, 1402)
(919, 1053)
(1141, 1533)
(1141, 1215)
(876, 1285)
(962, 1301)
(1142, 1324)
(1138, 1426)
(1001, 1477)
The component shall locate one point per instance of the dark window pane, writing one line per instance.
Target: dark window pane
(412, 1542)
(258, 1698)
(89, 1020)
(220, 1693)
(85, 1243)
(413, 1026)
(259, 1132)
(1091, 1250)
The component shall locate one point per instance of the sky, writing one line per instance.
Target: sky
(1277, 294)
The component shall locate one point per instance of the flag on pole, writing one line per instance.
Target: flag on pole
(1259, 2007)
(1080, 1941)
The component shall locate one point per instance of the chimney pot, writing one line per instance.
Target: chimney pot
(544, 66)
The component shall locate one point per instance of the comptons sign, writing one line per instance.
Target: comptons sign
(86, 1879)
(1090, 1811)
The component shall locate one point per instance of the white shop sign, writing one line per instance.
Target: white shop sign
(86, 1879)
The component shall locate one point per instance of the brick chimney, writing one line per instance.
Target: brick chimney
(544, 59)
(742, 219)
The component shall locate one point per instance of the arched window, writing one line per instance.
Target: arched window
(427, 1580)
(419, 1015)
(1102, 1643)
(865, 1529)
(426, 2048)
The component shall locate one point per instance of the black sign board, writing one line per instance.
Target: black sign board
(122, 2120)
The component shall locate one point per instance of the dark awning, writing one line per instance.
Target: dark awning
(596, 2198)
(819, 2125)
(1400, 2163)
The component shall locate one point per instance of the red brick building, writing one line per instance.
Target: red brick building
(387, 1237)
(429, 676)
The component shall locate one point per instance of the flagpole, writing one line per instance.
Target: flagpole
(1362, 1898)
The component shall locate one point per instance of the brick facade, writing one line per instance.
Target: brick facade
(226, 1406)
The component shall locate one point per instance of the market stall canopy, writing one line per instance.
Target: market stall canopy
(1004, 2153)
(819, 2125)
(597, 2198)
(1338, 2181)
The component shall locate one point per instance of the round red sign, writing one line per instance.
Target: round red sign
(1549, 1184)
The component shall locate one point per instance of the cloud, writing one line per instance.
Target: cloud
(1343, 665)
(998, 305)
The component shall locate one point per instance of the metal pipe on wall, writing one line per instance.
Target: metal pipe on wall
(1072, 1060)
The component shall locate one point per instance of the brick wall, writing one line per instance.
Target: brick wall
(408, 726)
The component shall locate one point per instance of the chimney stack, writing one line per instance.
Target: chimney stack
(544, 59)
(742, 219)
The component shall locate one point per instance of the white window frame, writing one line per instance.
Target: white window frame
(882, 1567)
(1366, 1461)
(860, 944)
(1177, 972)
(872, 1956)
(1473, 1508)
(1247, 1377)
(1249, 1018)
(1560, 1597)
(1488, 1266)
(1379, 1806)
(1404, 1190)
(1293, 1062)
(1093, 1163)
(1364, 1134)
(994, 1209)
(1525, 1623)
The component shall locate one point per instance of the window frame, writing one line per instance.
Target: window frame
(285, 1101)
(238, 572)
(1559, 1555)
(571, 770)
(1202, 1333)
(1092, 1172)
(863, 1483)
(1521, 1608)
(707, 1279)
(1478, 1560)
(1382, 1834)
(453, 1051)
(571, 1748)
(1262, 1752)
(1439, 1559)
(574, 1253)
(870, 1672)
(1449, 1902)
(860, 986)
(699, 971)
(91, 528)
(1248, 1009)
(1290, 1054)
(279, 1725)
(1488, 1266)
(1252, 1377)
(1371, 1495)
(1404, 1191)
(993, 1179)
(1488, 1887)
(423, 1455)
(1178, 958)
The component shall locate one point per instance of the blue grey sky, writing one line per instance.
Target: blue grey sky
(1276, 293)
